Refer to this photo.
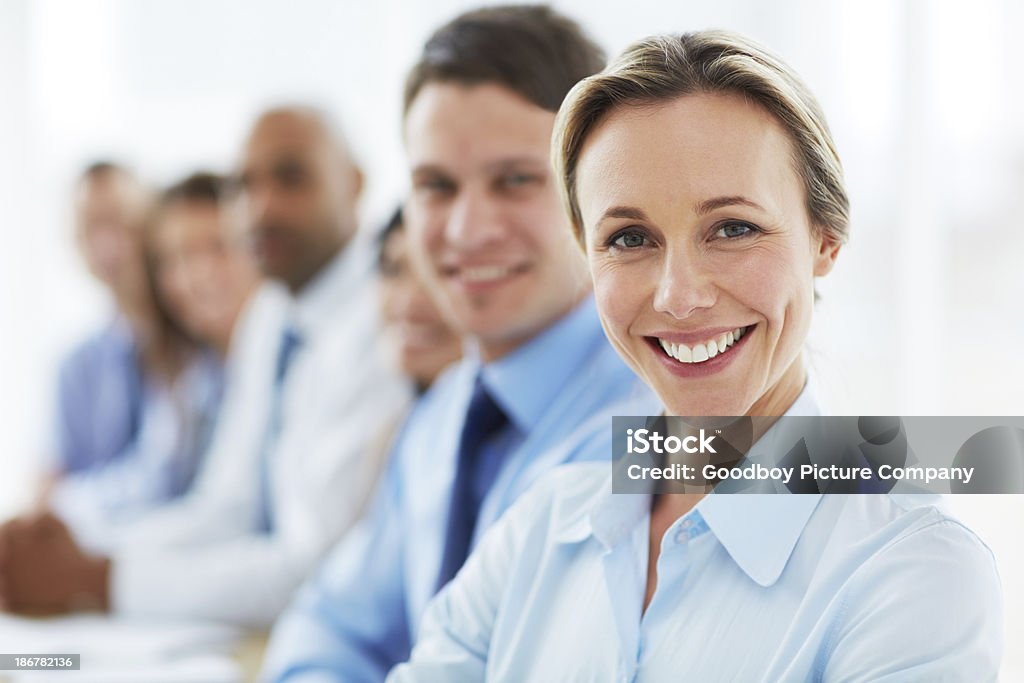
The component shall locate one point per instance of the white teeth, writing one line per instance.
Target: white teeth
(484, 273)
(701, 352)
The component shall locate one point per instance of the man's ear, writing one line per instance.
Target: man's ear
(825, 255)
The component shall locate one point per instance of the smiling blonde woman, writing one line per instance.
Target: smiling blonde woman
(706, 191)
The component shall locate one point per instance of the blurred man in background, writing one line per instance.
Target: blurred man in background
(288, 470)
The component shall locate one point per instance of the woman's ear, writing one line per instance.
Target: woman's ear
(358, 180)
(825, 255)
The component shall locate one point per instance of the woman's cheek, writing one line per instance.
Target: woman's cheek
(763, 285)
(621, 295)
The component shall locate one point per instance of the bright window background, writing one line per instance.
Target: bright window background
(923, 314)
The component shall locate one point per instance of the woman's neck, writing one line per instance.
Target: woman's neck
(783, 394)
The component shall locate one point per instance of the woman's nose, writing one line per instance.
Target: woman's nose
(686, 284)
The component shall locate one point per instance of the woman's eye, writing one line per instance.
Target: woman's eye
(629, 240)
(734, 230)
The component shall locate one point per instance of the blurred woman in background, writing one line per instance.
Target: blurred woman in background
(420, 340)
(196, 280)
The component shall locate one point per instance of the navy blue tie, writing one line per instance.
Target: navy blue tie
(290, 343)
(473, 478)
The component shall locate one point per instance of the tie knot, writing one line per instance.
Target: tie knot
(484, 416)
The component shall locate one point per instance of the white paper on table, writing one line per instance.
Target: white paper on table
(115, 649)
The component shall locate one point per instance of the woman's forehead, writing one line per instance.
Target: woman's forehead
(687, 150)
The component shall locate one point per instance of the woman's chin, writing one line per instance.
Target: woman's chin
(724, 406)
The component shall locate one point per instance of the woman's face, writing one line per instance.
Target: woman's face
(422, 342)
(203, 275)
(109, 211)
(696, 229)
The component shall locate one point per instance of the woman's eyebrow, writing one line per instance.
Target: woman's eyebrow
(700, 208)
(628, 212)
(709, 205)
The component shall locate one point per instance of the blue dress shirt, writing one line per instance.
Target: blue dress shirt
(99, 399)
(358, 616)
(129, 443)
(750, 588)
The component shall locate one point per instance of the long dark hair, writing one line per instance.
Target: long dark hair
(177, 346)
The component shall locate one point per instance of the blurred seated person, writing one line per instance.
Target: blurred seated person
(307, 393)
(203, 273)
(199, 261)
(420, 341)
(136, 400)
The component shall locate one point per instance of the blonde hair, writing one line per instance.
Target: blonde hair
(664, 68)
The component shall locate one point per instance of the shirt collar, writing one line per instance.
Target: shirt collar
(342, 279)
(525, 382)
(759, 531)
(119, 332)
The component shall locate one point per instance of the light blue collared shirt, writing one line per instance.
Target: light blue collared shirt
(100, 395)
(750, 588)
(358, 617)
(128, 443)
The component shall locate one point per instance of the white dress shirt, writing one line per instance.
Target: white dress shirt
(206, 557)
(750, 587)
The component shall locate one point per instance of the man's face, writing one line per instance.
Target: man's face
(484, 217)
(297, 196)
(108, 213)
(203, 274)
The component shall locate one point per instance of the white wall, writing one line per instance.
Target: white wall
(922, 315)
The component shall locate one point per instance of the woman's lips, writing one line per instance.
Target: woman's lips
(700, 358)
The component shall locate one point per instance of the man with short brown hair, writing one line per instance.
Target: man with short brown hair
(489, 236)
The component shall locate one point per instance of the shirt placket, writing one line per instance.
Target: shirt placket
(674, 562)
